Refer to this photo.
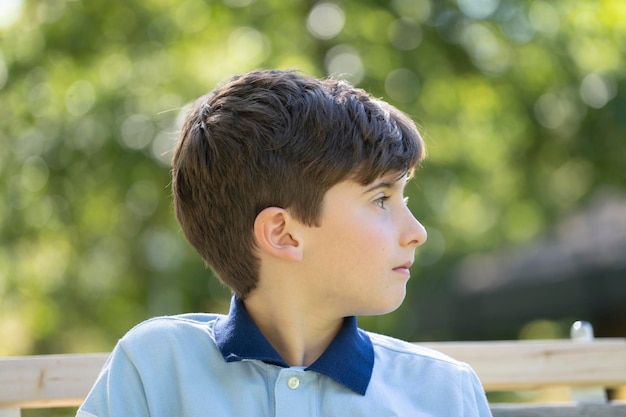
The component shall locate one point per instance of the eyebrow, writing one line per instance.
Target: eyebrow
(376, 186)
(383, 184)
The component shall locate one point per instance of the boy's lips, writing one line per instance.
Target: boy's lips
(404, 268)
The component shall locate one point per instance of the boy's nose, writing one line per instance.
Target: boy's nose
(415, 234)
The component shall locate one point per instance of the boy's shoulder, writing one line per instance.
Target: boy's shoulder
(172, 327)
(396, 349)
(178, 320)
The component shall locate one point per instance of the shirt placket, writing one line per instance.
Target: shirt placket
(295, 393)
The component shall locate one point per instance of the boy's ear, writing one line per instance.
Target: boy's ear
(276, 234)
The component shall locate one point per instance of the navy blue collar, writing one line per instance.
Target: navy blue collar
(348, 360)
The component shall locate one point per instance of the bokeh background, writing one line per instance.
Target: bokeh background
(522, 104)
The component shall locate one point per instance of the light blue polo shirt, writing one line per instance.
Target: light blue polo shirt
(197, 365)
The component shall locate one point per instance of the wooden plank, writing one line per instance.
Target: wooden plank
(559, 410)
(47, 380)
(65, 380)
(515, 365)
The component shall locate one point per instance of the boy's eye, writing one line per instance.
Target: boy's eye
(380, 202)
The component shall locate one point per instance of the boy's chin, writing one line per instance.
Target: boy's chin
(384, 308)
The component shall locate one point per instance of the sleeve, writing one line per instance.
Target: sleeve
(118, 390)
(475, 400)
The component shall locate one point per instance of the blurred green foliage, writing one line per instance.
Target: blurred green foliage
(522, 104)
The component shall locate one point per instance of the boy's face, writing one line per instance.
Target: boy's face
(359, 256)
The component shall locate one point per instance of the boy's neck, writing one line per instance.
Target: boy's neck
(300, 335)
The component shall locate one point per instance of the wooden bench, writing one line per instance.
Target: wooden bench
(50, 381)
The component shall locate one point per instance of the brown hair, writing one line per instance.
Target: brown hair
(277, 139)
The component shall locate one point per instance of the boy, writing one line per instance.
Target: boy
(291, 189)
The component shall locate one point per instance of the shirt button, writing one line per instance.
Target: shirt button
(293, 382)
